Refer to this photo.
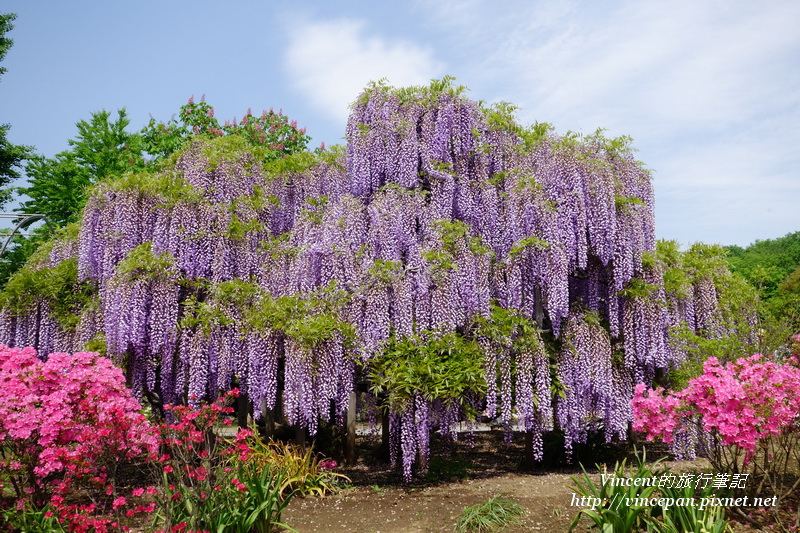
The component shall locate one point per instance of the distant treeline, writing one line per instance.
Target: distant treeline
(773, 267)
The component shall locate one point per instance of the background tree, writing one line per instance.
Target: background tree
(11, 155)
(103, 148)
(767, 263)
(57, 185)
(773, 267)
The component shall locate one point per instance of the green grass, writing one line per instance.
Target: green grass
(494, 514)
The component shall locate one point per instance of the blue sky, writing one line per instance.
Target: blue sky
(709, 90)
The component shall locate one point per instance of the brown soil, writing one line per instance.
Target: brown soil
(545, 498)
(379, 501)
(462, 475)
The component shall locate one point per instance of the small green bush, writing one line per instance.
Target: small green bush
(495, 513)
(307, 473)
(622, 518)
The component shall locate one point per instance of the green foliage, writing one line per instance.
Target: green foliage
(502, 116)
(140, 263)
(638, 288)
(255, 507)
(508, 327)
(6, 26)
(263, 503)
(435, 366)
(97, 343)
(767, 263)
(160, 139)
(705, 259)
(689, 518)
(508, 330)
(12, 156)
(527, 243)
(791, 283)
(20, 249)
(229, 148)
(308, 319)
(587, 148)
(627, 202)
(699, 348)
(278, 247)
(615, 146)
(272, 131)
(238, 229)
(418, 93)
(291, 164)
(452, 233)
(32, 519)
(102, 148)
(773, 267)
(625, 516)
(440, 260)
(492, 515)
(385, 270)
(676, 278)
(454, 236)
(168, 187)
(57, 187)
(738, 306)
(57, 286)
(307, 473)
(616, 508)
(205, 305)
(271, 135)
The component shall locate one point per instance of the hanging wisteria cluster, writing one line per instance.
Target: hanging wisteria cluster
(285, 278)
(597, 393)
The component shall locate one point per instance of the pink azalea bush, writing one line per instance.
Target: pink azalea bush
(748, 410)
(64, 422)
(744, 402)
(68, 422)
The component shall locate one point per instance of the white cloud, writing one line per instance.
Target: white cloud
(332, 61)
(707, 89)
(679, 61)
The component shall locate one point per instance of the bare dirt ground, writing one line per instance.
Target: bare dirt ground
(545, 499)
(460, 475)
(379, 502)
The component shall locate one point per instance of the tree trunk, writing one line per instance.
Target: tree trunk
(350, 444)
(384, 450)
(242, 410)
(528, 461)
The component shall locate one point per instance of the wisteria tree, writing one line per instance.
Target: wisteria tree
(444, 240)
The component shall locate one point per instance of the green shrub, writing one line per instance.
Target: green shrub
(612, 510)
(495, 513)
(688, 518)
(306, 472)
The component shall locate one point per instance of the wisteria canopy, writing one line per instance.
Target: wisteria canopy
(522, 261)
